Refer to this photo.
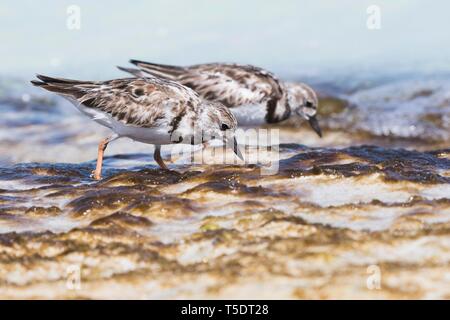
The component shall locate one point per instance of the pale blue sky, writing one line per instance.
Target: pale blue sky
(285, 36)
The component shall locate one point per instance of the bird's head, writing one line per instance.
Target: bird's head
(304, 102)
(218, 122)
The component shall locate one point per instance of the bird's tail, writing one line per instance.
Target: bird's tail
(135, 72)
(66, 87)
(160, 70)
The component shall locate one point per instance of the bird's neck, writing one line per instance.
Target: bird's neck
(277, 110)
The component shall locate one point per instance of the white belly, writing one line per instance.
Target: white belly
(157, 135)
(250, 115)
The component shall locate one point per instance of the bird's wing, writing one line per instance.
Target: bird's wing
(138, 102)
(233, 85)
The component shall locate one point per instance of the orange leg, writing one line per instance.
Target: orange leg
(97, 173)
(158, 158)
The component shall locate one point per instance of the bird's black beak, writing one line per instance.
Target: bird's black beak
(315, 125)
(232, 143)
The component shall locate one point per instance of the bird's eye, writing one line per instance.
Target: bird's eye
(224, 127)
(309, 104)
(138, 92)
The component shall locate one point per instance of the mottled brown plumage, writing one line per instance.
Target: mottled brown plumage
(149, 110)
(138, 102)
(241, 88)
(232, 84)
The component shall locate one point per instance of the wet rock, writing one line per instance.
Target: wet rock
(112, 198)
(329, 213)
(43, 211)
(147, 177)
(122, 219)
(227, 187)
(165, 207)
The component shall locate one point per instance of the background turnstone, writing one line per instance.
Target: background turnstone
(150, 110)
(255, 95)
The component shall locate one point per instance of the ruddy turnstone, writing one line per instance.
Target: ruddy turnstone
(150, 110)
(254, 95)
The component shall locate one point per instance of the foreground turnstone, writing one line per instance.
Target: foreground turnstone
(254, 95)
(150, 110)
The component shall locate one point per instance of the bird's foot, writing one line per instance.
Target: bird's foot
(95, 175)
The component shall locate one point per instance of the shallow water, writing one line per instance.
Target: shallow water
(373, 193)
